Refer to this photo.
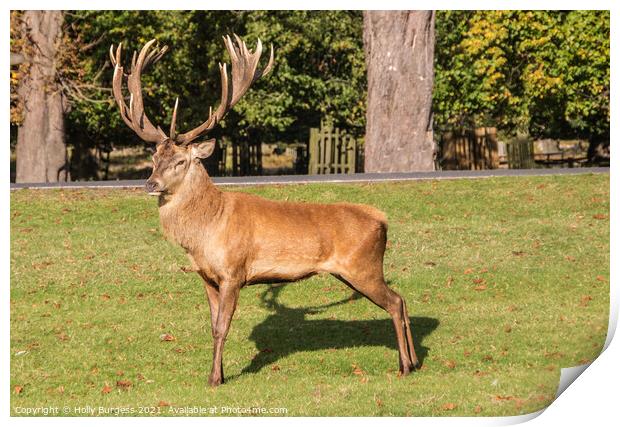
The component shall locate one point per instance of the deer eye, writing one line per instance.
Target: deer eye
(179, 163)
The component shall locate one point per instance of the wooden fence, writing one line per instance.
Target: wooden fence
(331, 150)
(520, 153)
(467, 149)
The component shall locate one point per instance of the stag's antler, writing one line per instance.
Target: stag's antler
(244, 73)
(134, 115)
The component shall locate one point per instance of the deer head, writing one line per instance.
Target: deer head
(176, 153)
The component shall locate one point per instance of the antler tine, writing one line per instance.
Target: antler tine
(112, 58)
(243, 73)
(117, 82)
(154, 56)
(173, 123)
(269, 65)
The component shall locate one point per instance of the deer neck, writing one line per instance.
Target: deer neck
(192, 209)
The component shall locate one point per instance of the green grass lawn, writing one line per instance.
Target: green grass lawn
(506, 281)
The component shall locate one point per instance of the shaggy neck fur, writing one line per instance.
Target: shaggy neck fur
(187, 213)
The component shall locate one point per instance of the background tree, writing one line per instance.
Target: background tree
(399, 51)
(39, 102)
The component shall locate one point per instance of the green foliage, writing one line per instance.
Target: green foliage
(541, 72)
(506, 281)
(319, 70)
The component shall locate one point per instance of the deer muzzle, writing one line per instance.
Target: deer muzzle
(153, 188)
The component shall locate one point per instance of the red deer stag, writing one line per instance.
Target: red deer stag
(236, 239)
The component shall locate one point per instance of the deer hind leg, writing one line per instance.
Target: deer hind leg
(213, 295)
(378, 292)
(410, 346)
(228, 297)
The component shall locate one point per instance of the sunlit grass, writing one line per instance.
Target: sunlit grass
(506, 280)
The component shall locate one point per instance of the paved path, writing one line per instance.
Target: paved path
(341, 178)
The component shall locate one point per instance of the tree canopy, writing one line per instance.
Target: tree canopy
(545, 73)
(319, 70)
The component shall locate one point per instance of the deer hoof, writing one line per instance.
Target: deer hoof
(214, 382)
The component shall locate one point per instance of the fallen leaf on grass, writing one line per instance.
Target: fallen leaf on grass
(478, 409)
(106, 389)
(123, 384)
(585, 300)
(18, 389)
(554, 355)
(599, 216)
(519, 253)
(275, 368)
(167, 337)
(601, 278)
(357, 370)
(448, 406)
(478, 281)
(480, 288)
(62, 336)
(450, 364)
(162, 403)
(468, 271)
(499, 398)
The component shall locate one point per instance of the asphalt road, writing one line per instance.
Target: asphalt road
(340, 178)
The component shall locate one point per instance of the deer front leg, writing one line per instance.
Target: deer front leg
(228, 297)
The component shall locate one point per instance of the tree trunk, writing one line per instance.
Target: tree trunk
(41, 151)
(399, 49)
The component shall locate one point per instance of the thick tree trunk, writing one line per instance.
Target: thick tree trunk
(41, 151)
(399, 49)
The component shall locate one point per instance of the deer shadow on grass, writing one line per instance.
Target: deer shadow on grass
(289, 330)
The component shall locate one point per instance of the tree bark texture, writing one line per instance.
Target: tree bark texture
(399, 49)
(41, 151)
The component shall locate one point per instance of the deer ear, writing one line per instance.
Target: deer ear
(203, 149)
